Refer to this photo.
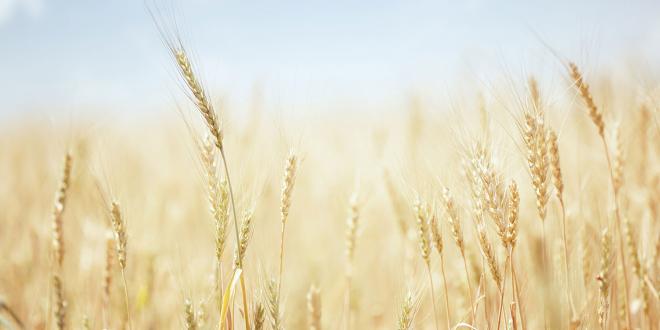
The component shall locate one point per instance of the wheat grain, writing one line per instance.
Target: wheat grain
(60, 303)
(198, 93)
(191, 322)
(583, 88)
(407, 314)
(489, 254)
(314, 308)
(603, 278)
(245, 234)
(273, 302)
(60, 203)
(259, 316)
(285, 203)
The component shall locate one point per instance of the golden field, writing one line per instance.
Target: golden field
(124, 234)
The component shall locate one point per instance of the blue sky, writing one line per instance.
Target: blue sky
(78, 54)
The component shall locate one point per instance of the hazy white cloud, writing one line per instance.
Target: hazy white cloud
(10, 8)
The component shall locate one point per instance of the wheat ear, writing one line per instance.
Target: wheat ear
(407, 313)
(244, 240)
(60, 303)
(60, 203)
(436, 235)
(273, 299)
(314, 308)
(191, 322)
(259, 316)
(200, 97)
(422, 215)
(558, 182)
(121, 241)
(287, 189)
(614, 167)
(107, 278)
(457, 233)
(603, 278)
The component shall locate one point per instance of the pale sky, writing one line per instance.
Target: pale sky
(77, 54)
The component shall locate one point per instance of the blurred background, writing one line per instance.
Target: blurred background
(387, 101)
(75, 57)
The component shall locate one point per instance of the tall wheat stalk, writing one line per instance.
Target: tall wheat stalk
(351, 238)
(422, 215)
(457, 233)
(121, 240)
(287, 190)
(58, 212)
(199, 96)
(597, 118)
(436, 235)
(558, 182)
(218, 197)
(58, 232)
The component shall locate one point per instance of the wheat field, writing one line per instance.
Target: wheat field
(516, 208)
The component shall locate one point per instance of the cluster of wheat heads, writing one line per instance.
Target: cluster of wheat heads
(540, 222)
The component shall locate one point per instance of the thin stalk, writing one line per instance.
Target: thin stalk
(435, 309)
(220, 285)
(279, 283)
(444, 281)
(618, 229)
(470, 292)
(516, 290)
(128, 310)
(485, 286)
(246, 309)
(500, 312)
(545, 272)
(568, 283)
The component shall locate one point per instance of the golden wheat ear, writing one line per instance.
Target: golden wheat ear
(314, 308)
(58, 211)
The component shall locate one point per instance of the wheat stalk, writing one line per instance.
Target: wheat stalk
(285, 203)
(121, 241)
(457, 233)
(614, 169)
(513, 214)
(423, 231)
(199, 96)
(558, 182)
(436, 234)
